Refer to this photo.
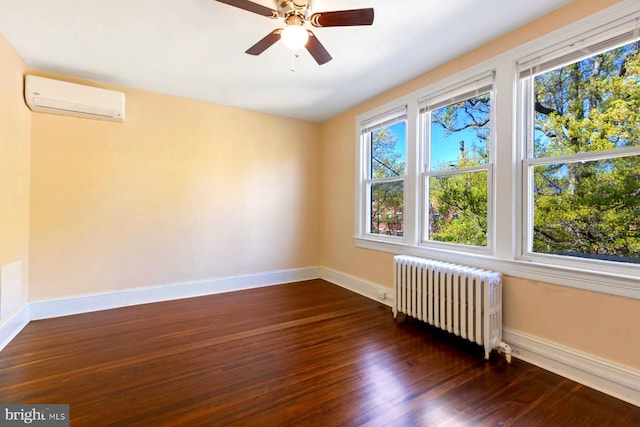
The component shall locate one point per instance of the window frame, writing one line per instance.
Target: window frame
(365, 181)
(508, 203)
(463, 91)
(528, 69)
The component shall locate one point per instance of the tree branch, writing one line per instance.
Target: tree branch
(385, 166)
(544, 110)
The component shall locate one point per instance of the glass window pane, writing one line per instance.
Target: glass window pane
(588, 209)
(458, 208)
(590, 105)
(388, 151)
(460, 134)
(387, 204)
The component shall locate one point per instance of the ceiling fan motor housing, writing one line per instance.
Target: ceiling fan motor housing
(297, 8)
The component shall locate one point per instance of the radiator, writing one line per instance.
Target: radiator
(462, 300)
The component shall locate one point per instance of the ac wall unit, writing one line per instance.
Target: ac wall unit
(71, 99)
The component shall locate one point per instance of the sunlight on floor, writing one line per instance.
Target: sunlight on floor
(389, 388)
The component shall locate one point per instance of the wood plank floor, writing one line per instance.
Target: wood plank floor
(307, 353)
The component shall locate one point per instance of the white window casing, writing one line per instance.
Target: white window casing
(365, 181)
(469, 88)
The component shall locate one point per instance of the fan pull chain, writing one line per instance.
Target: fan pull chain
(294, 56)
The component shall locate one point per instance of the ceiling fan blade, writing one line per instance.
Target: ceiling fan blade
(317, 50)
(251, 7)
(265, 43)
(342, 18)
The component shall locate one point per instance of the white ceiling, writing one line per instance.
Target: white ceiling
(195, 48)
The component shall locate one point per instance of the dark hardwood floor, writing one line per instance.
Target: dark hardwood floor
(307, 353)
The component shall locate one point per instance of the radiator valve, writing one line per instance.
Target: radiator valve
(503, 347)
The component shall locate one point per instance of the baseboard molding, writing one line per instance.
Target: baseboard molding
(44, 309)
(355, 284)
(600, 374)
(13, 324)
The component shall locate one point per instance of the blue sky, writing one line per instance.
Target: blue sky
(444, 148)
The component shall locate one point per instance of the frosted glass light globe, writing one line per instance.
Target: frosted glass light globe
(294, 37)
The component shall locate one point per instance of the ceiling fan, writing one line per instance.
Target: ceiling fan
(295, 14)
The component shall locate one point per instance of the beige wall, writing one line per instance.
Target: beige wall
(595, 323)
(186, 190)
(15, 129)
(598, 324)
(182, 191)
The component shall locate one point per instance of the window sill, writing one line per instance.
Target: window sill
(627, 286)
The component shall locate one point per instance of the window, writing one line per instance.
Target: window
(581, 170)
(457, 177)
(385, 142)
(527, 163)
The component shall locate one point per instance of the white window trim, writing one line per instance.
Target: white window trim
(509, 257)
(466, 89)
(363, 181)
(439, 94)
(528, 162)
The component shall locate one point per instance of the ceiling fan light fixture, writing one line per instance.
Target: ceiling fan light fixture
(294, 37)
(296, 13)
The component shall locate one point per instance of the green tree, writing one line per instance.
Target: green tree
(387, 197)
(459, 201)
(589, 208)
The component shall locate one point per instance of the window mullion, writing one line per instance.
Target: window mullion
(412, 187)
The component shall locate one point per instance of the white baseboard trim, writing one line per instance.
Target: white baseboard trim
(603, 375)
(360, 286)
(13, 324)
(44, 309)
